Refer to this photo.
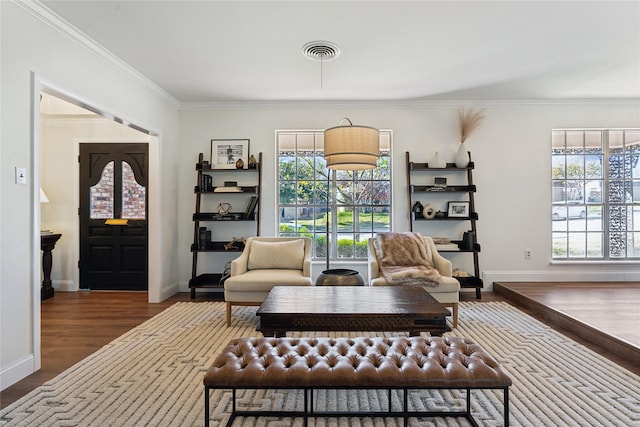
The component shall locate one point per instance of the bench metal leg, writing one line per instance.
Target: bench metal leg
(206, 406)
(469, 417)
(468, 408)
(305, 422)
(405, 404)
(234, 411)
(310, 412)
(505, 405)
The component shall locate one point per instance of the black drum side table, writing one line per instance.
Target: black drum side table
(339, 277)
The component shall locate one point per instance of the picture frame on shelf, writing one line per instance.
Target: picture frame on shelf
(251, 207)
(458, 210)
(440, 182)
(226, 152)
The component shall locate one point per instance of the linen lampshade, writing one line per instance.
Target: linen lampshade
(351, 147)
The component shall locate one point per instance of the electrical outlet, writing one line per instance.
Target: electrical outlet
(528, 253)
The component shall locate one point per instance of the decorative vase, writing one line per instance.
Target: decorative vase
(437, 162)
(462, 157)
(239, 164)
(417, 209)
(252, 162)
(429, 211)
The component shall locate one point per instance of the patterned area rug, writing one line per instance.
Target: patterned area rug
(152, 376)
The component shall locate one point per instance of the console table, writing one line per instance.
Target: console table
(47, 243)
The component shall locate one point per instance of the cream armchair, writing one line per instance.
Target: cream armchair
(264, 263)
(447, 293)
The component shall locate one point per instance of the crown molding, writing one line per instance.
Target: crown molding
(44, 14)
(317, 104)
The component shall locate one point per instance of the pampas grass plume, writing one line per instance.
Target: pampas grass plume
(469, 121)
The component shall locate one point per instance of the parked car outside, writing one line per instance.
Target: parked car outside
(574, 211)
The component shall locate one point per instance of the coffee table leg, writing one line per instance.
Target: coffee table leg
(277, 333)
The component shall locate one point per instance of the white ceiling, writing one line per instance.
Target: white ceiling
(212, 51)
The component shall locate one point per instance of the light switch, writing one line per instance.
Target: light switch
(21, 175)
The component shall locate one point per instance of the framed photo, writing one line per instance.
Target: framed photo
(458, 209)
(226, 152)
(439, 182)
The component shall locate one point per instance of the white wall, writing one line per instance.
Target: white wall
(511, 150)
(34, 54)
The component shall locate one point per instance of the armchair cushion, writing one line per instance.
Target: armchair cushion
(284, 255)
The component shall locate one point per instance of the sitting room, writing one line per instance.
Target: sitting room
(295, 212)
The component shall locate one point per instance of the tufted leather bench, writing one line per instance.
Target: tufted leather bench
(398, 363)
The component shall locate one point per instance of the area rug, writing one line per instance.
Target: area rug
(152, 376)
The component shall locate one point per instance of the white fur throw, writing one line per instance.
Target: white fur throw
(404, 259)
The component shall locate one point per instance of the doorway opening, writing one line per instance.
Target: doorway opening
(66, 124)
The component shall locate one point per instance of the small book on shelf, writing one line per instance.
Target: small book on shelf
(251, 207)
(228, 190)
(206, 182)
(447, 247)
(204, 236)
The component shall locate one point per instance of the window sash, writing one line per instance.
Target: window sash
(595, 194)
(303, 180)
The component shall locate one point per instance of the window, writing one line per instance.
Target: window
(102, 196)
(595, 179)
(358, 203)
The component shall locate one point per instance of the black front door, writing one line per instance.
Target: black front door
(113, 216)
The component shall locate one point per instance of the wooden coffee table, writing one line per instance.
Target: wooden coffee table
(351, 308)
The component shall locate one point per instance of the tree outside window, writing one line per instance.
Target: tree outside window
(359, 202)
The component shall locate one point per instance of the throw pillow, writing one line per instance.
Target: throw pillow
(287, 255)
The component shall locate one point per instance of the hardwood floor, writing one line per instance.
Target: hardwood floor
(76, 324)
(605, 315)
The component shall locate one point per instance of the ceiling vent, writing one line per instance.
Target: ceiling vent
(320, 51)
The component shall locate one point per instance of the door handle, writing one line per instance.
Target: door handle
(116, 221)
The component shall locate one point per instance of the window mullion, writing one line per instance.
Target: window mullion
(605, 194)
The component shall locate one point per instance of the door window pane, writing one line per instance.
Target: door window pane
(133, 195)
(101, 195)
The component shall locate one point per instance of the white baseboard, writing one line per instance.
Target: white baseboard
(558, 276)
(64, 285)
(168, 291)
(17, 371)
(184, 287)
